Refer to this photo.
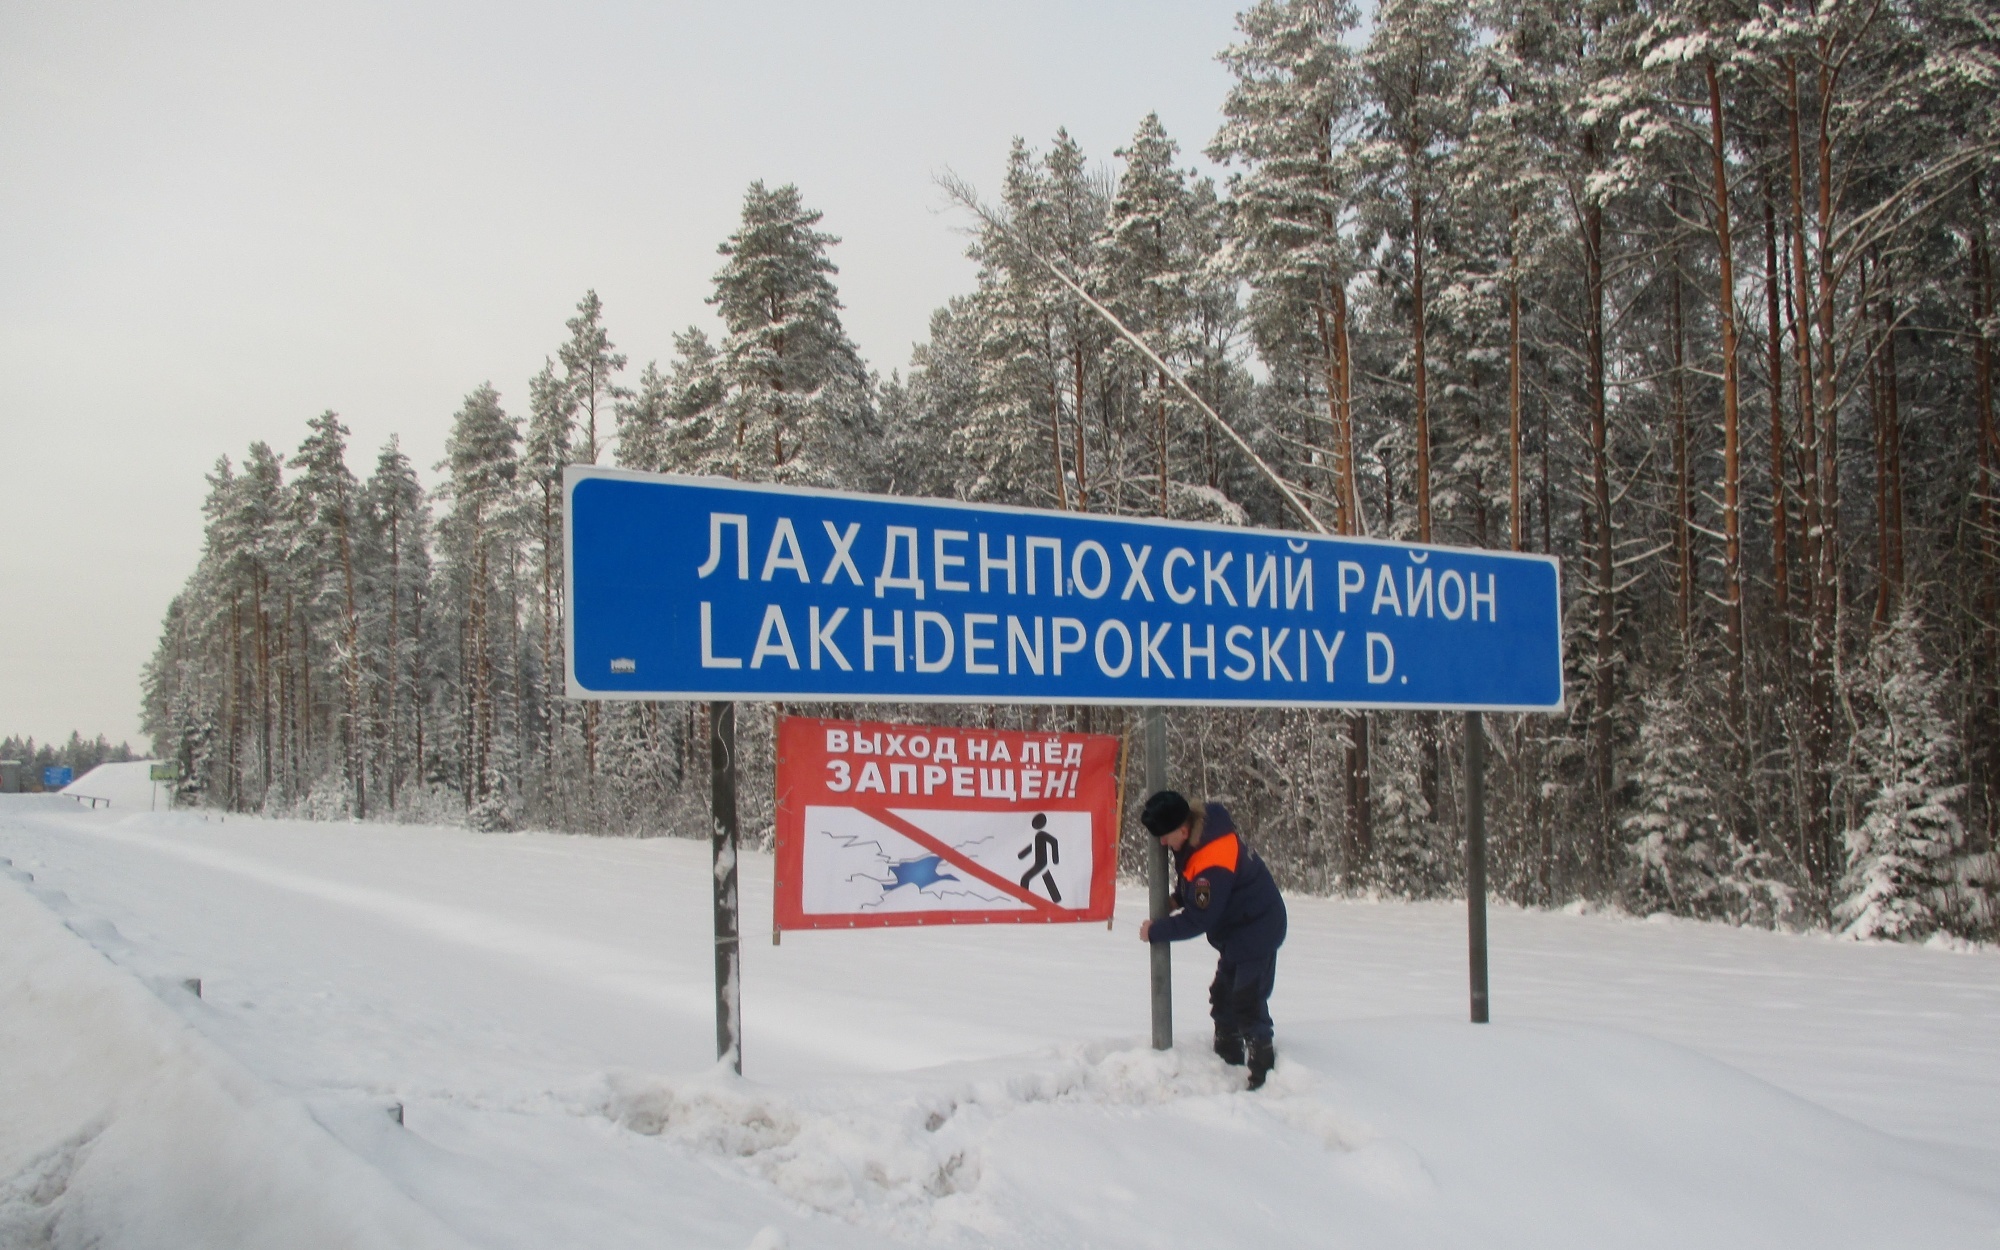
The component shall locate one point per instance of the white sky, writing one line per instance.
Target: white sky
(217, 220)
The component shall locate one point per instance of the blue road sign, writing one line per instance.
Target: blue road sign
(56, 776)
(703, 588)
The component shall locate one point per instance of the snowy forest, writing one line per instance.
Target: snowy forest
(1698, 296)
(79, 755)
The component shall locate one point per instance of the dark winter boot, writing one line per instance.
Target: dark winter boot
(1230, 1047)
(1263, 1057)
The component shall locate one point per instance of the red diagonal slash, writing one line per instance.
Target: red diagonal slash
(956, 859)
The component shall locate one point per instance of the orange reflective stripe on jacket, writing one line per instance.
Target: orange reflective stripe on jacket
(1220, 853)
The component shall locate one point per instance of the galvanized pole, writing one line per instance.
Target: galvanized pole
(1475, 859)
(1156, 883)
(722, 844)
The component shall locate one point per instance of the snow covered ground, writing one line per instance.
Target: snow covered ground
(536, 1011)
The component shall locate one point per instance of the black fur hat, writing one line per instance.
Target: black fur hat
(1163, 813)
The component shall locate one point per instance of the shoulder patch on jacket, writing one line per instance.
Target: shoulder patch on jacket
(1202, 892)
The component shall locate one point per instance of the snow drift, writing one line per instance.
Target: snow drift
(126, 787)
(124, 1128)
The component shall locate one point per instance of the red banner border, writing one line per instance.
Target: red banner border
(788, 911)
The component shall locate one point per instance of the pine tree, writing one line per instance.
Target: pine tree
(1907, 872)
(397, 527)
(589, 366)
(1008, 443)
(553, 405)
(1290, 118)
(323, 535)
(258, 571)
(694, 401)
(1155, 254)
(477, 537)
(645, 422)
(795, 391)
(1682, 857)
(939, 397)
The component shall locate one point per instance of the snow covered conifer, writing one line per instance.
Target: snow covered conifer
(552, 417)
(694, 400)
(795, 389)
(1152, 263)
(1683, 857)
(1907, 873)
(1290, 120)
(645, 421)
(588, 366)
(323, 544)
(1009, 445)
(395, 645)
(478, 544)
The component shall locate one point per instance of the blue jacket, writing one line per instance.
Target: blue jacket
(1225, 893)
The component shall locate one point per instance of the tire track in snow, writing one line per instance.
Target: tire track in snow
(603, 966)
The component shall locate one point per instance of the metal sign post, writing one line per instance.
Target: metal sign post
(1156, 886)
(722, 846)
(168, 772)
(1475, 860)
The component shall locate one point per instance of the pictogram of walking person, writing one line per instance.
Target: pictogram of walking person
(1047, 852)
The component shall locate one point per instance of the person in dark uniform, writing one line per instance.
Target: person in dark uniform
(1224, 892)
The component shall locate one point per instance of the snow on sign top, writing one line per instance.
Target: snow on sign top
(704, 588)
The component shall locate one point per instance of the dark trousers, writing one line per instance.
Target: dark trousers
(1239, 999)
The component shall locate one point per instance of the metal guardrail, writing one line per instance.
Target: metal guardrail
(91, 799)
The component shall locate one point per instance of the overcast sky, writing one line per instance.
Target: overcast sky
(217, 220)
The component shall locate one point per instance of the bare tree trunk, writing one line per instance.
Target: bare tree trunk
(1417, 337)
(263, 662)
(1889, 458)
(232, 791)
(479, 738)
(357, 772)
(1427, 722)
(1732, 521)
(1677, 401)
(1827, 623)
(394, 715)
(1605, 678)
(552, 703)
(1516, 535)
(1056, 444)
(1986, 760)
(417, 689)
(1780, 573)
(306, 709)
(278, 770)
(1818, 538)
(1082, 480)
(1360, 796)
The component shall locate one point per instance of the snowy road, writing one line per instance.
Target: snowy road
(540, 1006)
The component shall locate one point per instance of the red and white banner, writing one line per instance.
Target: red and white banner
(919, 824)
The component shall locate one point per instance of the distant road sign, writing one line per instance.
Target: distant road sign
(702, 588)
(56, 776)
(164, 772)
